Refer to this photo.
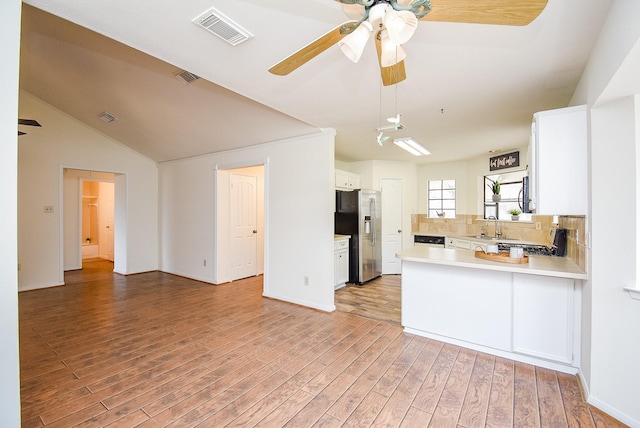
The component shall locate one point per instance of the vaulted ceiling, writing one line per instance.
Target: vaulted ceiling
(470, 88)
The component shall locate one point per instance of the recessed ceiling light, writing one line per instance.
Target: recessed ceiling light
(412, 146)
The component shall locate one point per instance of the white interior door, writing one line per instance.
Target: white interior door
(391, 224)
(107, 197)
(243, 226)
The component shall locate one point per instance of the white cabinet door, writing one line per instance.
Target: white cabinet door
(543, 317)
(341, 263)
(342, 180)
(558, 164)
(346, 180)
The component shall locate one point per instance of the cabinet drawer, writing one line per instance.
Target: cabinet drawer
(341, 244)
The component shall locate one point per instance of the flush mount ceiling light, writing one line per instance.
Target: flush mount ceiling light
(412, 146)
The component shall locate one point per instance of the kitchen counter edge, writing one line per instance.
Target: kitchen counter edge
(559, 267)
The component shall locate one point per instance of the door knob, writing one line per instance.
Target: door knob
(255, 231)
(399, 231)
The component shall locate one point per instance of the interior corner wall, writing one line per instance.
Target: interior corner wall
(9, 352)
(43, 153)
(614, 381)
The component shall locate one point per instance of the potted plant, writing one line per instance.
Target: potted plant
(515, 214)
(495, 188)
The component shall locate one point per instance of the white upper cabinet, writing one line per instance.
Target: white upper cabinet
(347, 180)
(558, 162)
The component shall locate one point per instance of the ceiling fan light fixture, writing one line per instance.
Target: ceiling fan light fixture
(400, 25)
(412, 146)
(352, 46)
(377, 14)
(391, 52)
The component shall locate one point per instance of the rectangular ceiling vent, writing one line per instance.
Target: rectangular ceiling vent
(217, 23)
(106, 117)
(186, 76)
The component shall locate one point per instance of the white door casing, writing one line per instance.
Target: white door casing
(391, 189)
(243, 222)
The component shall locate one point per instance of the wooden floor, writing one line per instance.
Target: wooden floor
(155, 350)
(378, 299)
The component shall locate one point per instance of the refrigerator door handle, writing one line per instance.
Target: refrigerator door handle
(372, 204)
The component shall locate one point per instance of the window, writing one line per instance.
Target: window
(510, 193)
(442, 198)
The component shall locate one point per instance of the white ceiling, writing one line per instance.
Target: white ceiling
(470, 88)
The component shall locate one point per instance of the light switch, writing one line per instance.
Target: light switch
(48, 209)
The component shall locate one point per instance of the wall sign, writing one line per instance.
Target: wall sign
(508, 160)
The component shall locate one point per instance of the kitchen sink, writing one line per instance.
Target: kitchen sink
(487, 238)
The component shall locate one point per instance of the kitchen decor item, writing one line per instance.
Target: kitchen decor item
(502, 258)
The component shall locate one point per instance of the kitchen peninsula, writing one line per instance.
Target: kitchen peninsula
(528, 312)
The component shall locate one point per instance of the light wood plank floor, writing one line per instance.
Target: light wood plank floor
(155, 350)
(378, 299)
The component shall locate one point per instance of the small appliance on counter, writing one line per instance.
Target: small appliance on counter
(560, 242)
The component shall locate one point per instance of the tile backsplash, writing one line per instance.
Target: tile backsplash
(465, 224)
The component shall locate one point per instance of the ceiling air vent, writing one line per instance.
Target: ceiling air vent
(186, 76)
(217, 23)
(106, 117)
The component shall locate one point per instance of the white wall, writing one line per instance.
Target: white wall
(615, 348)
(43, 154)
(299, 203)
(9, 361)
(610, 88)
(469, 175)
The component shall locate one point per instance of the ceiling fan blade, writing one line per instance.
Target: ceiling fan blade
(29, 122)
(495, 12)
(308, 52)
(353, 11)
(21, 133)
(390, 75)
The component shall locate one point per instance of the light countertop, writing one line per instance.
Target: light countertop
(339, 237)
(560, 267)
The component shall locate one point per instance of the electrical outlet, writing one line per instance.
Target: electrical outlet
(48, 209)
(306, 280)
(538, 225)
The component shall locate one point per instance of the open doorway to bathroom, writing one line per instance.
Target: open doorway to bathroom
(97, 204)
(89, 217)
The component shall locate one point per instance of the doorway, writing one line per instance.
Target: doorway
(97, 205)
(240, 211)
(89, 216)
(391, 190)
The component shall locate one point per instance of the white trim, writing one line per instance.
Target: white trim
(634, 293)
(540, 362)
(305, 303)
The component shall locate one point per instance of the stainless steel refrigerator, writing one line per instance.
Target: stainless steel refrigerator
(358, 213)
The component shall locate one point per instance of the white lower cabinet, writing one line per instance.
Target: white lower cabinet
(543, 317)
(341, 262)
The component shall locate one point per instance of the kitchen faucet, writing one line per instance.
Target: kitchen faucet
(498, 232)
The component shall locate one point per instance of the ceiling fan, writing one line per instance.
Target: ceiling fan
(29, 122)
(393, 22)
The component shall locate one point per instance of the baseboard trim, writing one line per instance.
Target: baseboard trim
(595, 402)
